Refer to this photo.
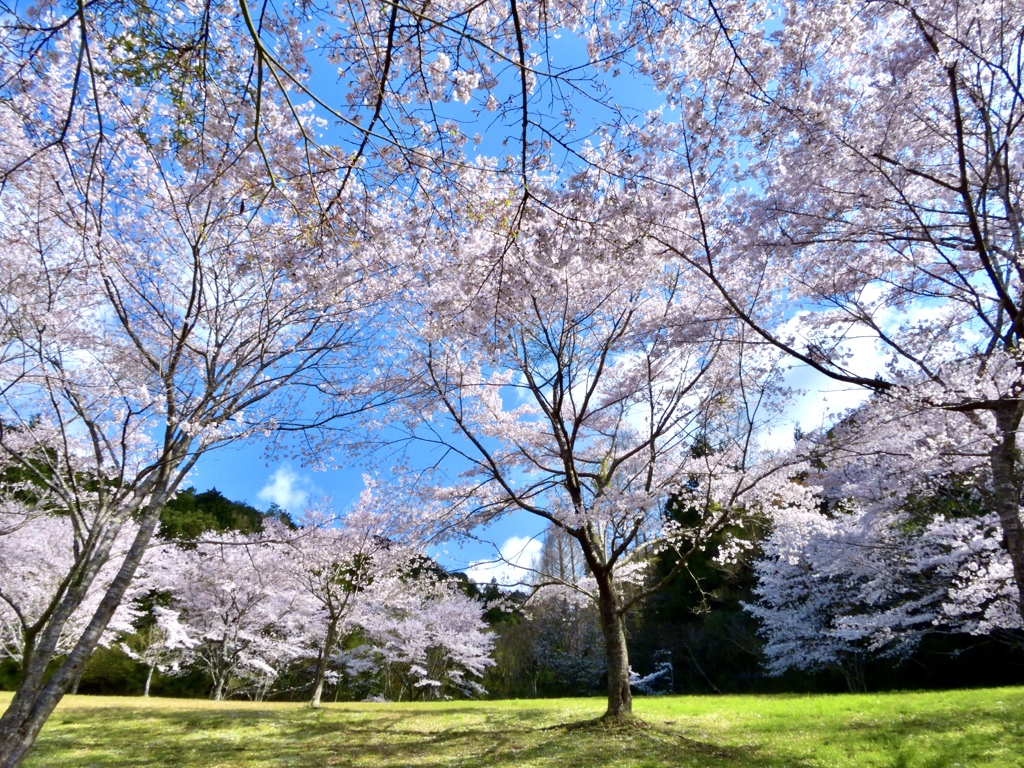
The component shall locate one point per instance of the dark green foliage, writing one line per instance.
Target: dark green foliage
(516, 670)
(111, 672)
(190, 514)
(10, 672)
(569, 649)
(503, 607)
(698, 620)
(955, 498)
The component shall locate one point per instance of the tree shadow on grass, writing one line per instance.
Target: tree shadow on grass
(499, 737)
(495, 742)
(358, 739)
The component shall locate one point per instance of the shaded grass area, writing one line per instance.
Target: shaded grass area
(951, 728)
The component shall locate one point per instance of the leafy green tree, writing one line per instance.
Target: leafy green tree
(191, 513)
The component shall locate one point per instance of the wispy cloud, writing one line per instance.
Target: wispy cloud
(819, 400)
(516, 555)
(285, 489)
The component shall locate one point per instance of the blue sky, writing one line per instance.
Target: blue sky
(245, 473)
(242, 472)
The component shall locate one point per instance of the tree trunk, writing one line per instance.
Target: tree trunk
(616, 654)
(854, 673)
(1006, 487)
(149, 679)
(318, 689)
(37, 695)
(322, 662)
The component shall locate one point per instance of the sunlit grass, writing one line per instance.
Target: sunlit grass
(953, 728)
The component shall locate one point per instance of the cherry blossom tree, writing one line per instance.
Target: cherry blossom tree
(160, 643)
(577, 371)
(244, 608)
(837, 171)
(405, 88)
(341, 563)
(920, 472)
(425, 634)
(847, 175)
(241, 621)
(332, 567)
(36, 556)
(160, 296)
(837, 587)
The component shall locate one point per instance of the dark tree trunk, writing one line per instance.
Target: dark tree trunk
(616, 654)
(37, 695)
(1006, 488)
(854, 673)
(613, 626)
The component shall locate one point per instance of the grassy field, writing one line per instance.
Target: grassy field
(955, 728)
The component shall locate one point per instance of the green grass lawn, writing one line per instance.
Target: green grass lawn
(953, 728)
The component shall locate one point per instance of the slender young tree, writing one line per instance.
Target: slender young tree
(160, 644)
(333, 567)
(577, 370)
(160, 296)
(341, 563)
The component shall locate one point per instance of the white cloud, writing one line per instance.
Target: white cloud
(284, 489)
(517, 554)
(818, 403)
(820, 400)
